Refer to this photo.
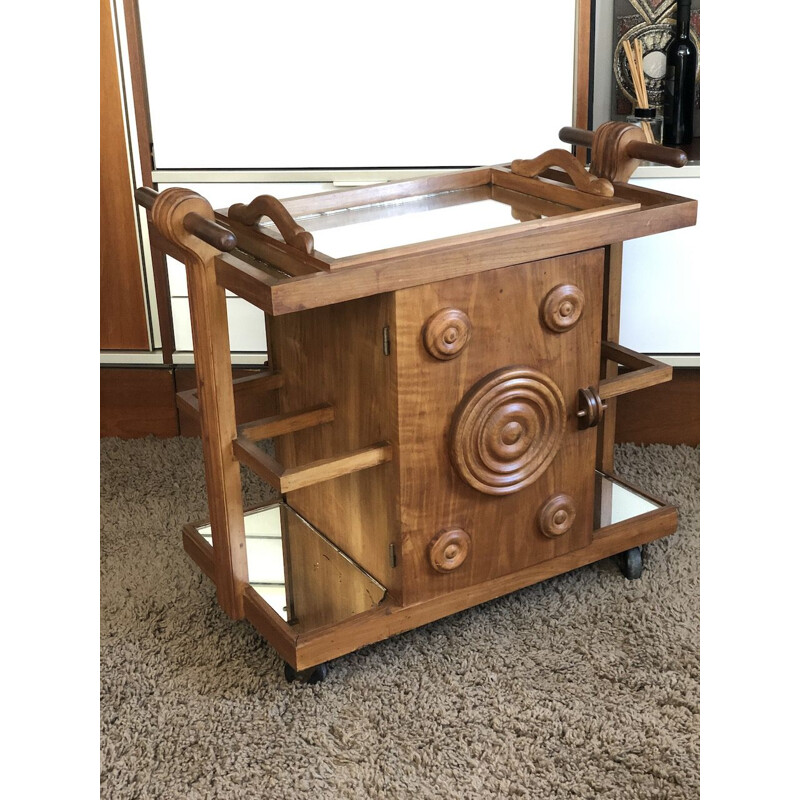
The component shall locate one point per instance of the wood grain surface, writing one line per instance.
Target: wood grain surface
(507, 330)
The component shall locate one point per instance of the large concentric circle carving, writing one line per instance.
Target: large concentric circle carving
(507, 430)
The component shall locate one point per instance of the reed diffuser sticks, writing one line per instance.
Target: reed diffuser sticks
(635, 60)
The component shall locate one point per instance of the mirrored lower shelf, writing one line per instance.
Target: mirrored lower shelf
(299, 573)
(302, 587)
(616, 501)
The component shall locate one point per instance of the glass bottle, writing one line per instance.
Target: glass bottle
(647, 117)
(679, 82)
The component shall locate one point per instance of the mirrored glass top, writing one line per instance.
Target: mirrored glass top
(379, 226)
(299, 573)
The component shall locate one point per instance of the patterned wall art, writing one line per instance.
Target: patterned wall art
(653, 23)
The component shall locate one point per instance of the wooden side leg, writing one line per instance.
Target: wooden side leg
(208, 312)
(611, 311)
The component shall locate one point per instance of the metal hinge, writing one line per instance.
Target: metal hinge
(386, 341)
(392, 555)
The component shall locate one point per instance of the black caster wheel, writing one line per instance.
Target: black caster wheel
(630, 563)
(309, 675)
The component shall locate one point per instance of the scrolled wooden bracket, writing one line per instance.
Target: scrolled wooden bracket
(268, 206)
(585, 182)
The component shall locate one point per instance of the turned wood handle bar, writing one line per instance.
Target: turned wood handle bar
(206, 229)
(669, 156)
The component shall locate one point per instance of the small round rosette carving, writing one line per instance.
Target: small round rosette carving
(446, 333)
(563, 307)
(507, 430)
(449, 549)
(557, 516)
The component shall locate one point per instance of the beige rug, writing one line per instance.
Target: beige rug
(585, 686)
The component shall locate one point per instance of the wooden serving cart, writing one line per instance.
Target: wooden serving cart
(445, 356)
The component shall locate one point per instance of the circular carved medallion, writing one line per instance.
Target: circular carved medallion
(557, 515)
(449, 549)
(507, 430)
(562, 308)
(446, 333)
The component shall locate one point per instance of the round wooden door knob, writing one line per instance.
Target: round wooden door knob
(449, 549)
(446, 333)
(557, 516)
(563, 307)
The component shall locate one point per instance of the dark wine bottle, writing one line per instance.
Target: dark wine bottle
(679, 82)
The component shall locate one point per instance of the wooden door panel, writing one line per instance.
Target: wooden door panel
(487, 437)
(123, 314)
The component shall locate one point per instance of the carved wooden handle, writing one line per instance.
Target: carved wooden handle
(206, 229)
(669, 156)
(532, 167)
(268, 206)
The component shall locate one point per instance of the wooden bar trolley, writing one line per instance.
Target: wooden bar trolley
(446, 360)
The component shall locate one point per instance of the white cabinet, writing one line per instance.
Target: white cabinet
(661, 283)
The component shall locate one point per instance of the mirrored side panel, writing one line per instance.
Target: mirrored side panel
(299, 573)
(616, 502)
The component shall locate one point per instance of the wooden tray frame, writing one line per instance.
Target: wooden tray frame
(280, 279)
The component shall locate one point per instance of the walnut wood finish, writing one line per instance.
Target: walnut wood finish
(655, 212)
(591, 408)
(249, 392)
(618, 147)
(503, 307)
(507, 430)
(208, 313)
(449, 480)
(137, 402)
(268, 206)
(389, 619)
(612, 297)
(449, 549)
(136, 405)
(584, 25)
(557, 515)
(300, 264)
(586, 182)
(123, 312)
(562, 308)
(281, 424)
(646, 371)
(665, 414)
(306, 649)
(289, 479)
(335, 355)
(446, 333)
(322, 585)
(205, 229)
